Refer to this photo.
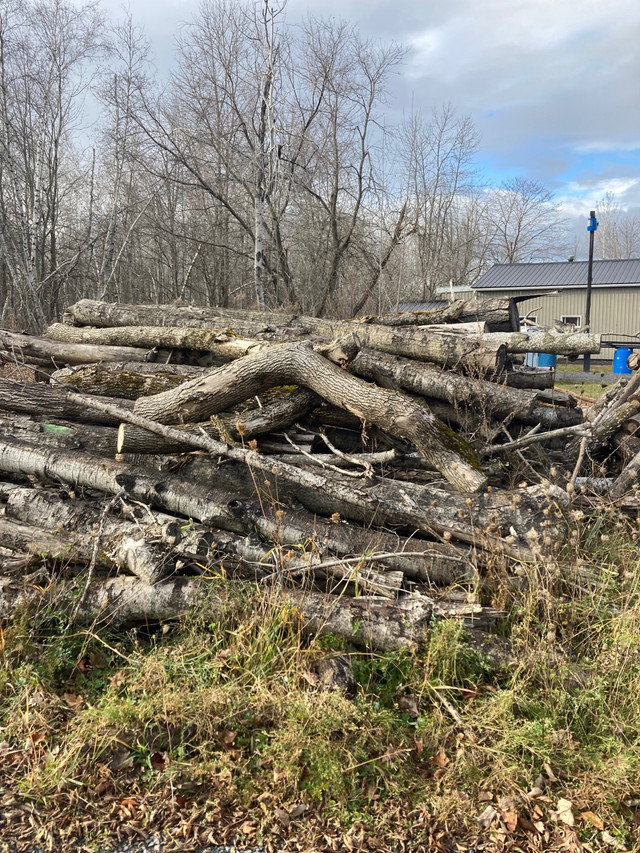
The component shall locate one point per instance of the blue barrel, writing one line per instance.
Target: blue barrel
(546, 359)
(620, 360)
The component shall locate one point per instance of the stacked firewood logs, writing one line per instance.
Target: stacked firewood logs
(359, 471)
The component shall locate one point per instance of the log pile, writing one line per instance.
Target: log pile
(370, 474)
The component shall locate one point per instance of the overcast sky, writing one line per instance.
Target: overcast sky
(553, 86)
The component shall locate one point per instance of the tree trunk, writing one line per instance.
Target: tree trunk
(38, 399)
(479, 520)
(366, 622)
(217, 342)
(229, 427)
(628, 479)
(530, 377)
(105, 381)
(494, 400)
(26, 346)
(61, 434)
(297, 364)
(145, 553)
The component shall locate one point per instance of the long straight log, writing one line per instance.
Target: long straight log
(37, 399)
(366, 622)
(56, 353)
(294, 363)
(217, 342)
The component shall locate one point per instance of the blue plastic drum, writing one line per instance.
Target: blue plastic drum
(546, 359)
(620, 357)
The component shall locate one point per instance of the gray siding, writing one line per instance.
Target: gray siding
(615, 311)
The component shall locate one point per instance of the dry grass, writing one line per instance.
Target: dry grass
(218, 731)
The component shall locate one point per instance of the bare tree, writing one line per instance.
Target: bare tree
(524, 222)
(618, 234)
(44, 50)
(438, 158)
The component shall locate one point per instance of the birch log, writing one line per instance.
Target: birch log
(366, 622)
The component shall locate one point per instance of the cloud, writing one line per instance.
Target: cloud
(550, 84)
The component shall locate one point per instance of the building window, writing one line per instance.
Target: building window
(571, 320)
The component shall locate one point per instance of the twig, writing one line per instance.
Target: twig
(320, 462)
(364, 460)
(581, 454)
(536, 437)
(94, 553)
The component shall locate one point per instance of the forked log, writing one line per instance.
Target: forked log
(366, 622)
(297, 364)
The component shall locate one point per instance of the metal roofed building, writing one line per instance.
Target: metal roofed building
(615, 294)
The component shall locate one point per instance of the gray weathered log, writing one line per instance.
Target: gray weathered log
(487, 399)
(628, 480)
(501, 315)
(476, 520)
(275, 415)
(530, 377)
(451, 349)
(366, 622)
(58, 354)
(217, 342)
(38, 399)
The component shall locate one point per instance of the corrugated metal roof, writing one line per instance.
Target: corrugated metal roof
(408, 307)
(563, 274)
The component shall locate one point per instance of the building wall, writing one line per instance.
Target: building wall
(615, 311)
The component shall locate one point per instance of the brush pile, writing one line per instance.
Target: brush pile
(359, 470)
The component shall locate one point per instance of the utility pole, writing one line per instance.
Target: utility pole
(592, 227)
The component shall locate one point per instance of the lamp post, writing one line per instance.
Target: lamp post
(592, 227)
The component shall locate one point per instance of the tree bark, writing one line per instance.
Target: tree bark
(105, 381)
(145, 554)
(215, 341)
(61, 434)
(495, 400)
(529, 377)
(229, 427)
(628, 479)
(53, 352)
(366, 622)
(478, 520)
(297, 364)
(38, 399)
